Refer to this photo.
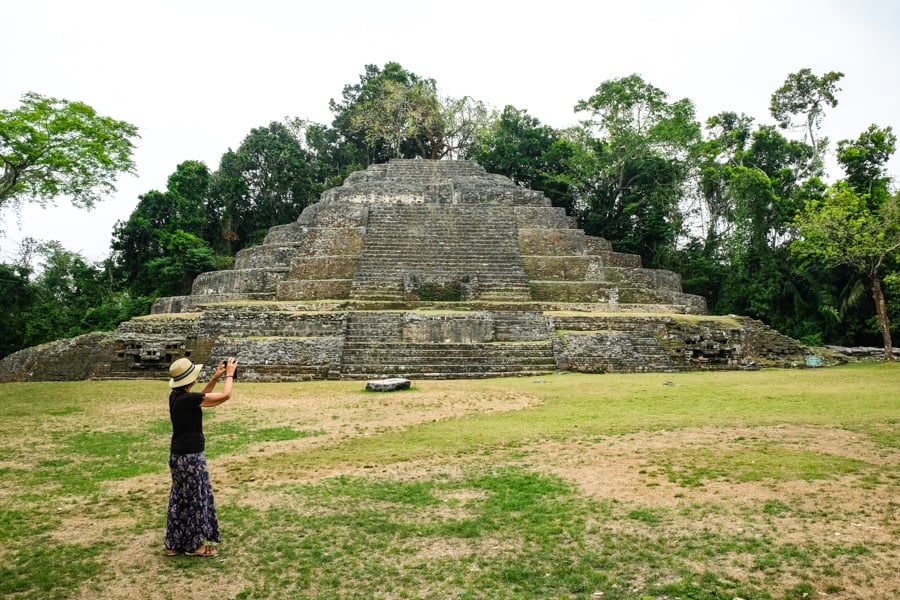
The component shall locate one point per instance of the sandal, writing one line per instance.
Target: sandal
(171, 552)
(203, 550)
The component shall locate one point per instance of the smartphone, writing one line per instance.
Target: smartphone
(225, 362)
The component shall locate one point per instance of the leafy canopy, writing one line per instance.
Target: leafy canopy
(644, 146)
(842, 229)
(800, 103)
(864, 160)
(51, 148)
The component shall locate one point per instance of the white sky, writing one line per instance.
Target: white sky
(197, 75)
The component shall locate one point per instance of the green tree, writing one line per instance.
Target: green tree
(892, 290)
(751, 184)
(159, 218)
(464, 119)
(267, 181)
(332, 159)
(843, 230)
(365, 147)
(533, 155)
(185, 256)
(864, 159)
(730, 136)
(830, 305)
(402, 113)
(803, 97)
(188, 187)
(68, 297)
(51, 148)
(136, 241)
(645, 148)
(16, 295)
(65, 290)
(398, 114)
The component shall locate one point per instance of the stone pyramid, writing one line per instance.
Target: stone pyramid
(417, 230)
(432, 269)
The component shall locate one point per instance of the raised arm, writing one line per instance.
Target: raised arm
(211, 398)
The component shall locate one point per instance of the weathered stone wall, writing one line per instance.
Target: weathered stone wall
(289, 345)
(611, 352)
(552, 242)
(329, 241)
(189, 304)
(242, 281)
(323, 267)
(597, 245)
(67, 360)
(266, 256)
(564, 268)
(315, 289)
(620, 260)
(333, 215)
(282, 359)
(257, 321)
(623, 344)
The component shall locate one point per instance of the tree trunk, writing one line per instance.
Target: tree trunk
(883, 321)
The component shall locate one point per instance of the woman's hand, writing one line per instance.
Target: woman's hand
(230, 365)
(210, 398)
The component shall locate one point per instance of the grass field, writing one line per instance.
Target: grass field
(776, 484)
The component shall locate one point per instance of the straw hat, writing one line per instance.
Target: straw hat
(183, 373)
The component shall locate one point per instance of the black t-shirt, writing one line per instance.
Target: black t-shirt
(187, 422)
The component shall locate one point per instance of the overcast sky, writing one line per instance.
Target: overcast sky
(196, 76)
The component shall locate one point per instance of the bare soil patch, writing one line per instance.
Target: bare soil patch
(838, 512)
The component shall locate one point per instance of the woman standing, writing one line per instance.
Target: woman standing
(191, 520)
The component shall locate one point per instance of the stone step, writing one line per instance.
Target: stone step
(449, 348)
(474, 252)
(423, 364)
(480, 359)
(454, 351)
(238, 281)
(266, 256)
(399, 280)
(435, 375)
(440, 269)
(397, 367)
(500, 296)
(433, 246)
(282, 372)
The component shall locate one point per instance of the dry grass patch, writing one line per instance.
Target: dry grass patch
(852, 521)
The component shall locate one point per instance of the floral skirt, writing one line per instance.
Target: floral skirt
(191, 519)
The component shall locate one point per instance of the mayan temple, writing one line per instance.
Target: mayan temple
(423, 269)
